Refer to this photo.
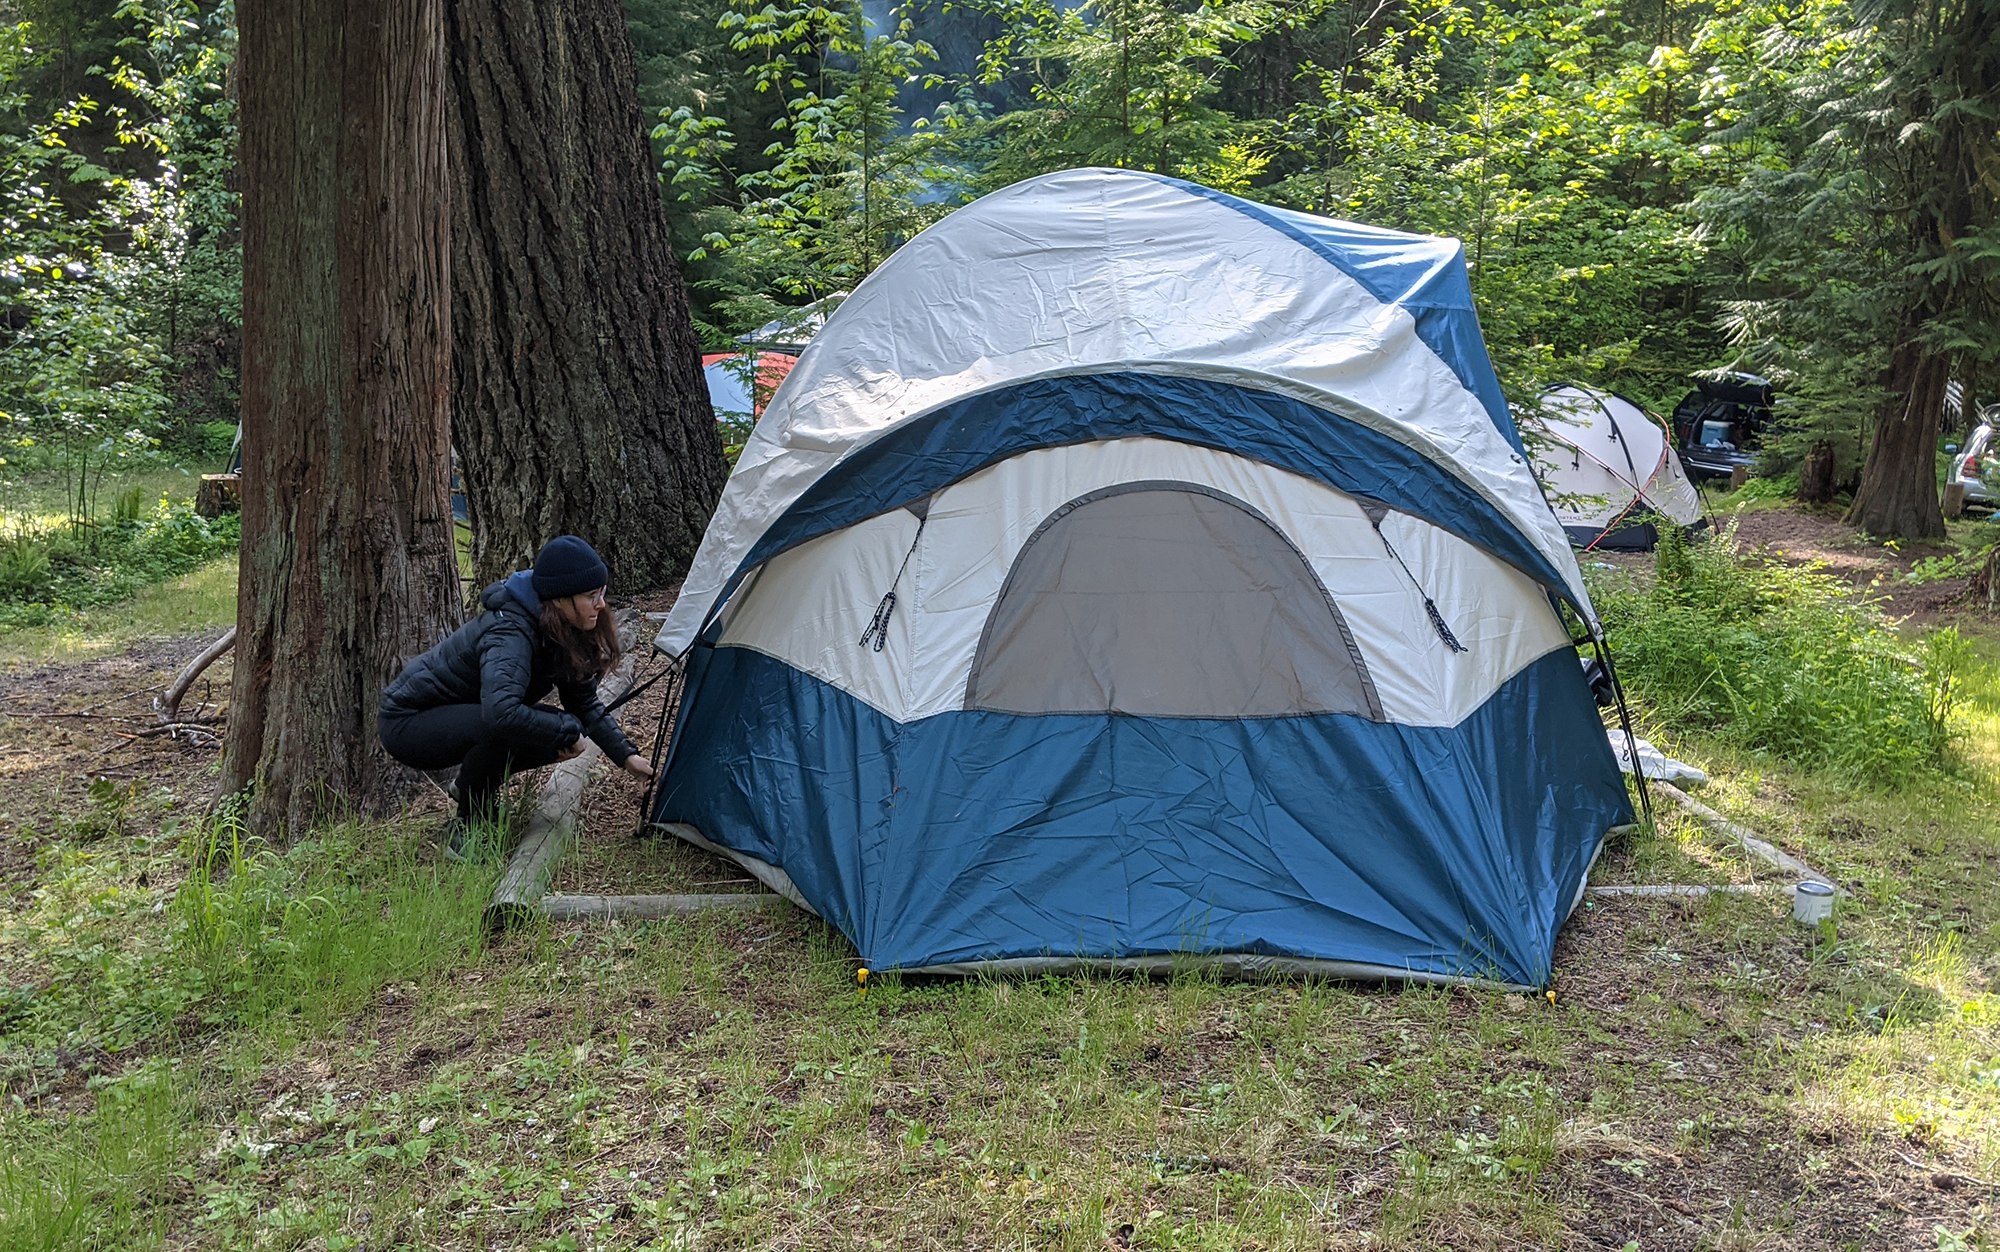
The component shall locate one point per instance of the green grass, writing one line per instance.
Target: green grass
(1919, 861)
(36, 503)
(1774, 657)
(206, 1044)
(199, 603)
(332, 1056)
(107, 587)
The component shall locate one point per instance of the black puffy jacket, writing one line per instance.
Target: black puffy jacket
(500, 662)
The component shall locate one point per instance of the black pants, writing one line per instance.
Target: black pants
(456, 734)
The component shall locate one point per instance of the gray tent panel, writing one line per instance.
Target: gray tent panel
(1166, 599)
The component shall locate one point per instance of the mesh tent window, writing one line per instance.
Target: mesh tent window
(1166, 599)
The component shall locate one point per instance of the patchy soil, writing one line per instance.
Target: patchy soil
(1800, 535)
(1692, 1023)
(1655, 1099)
(1803, 535)
(62, 726)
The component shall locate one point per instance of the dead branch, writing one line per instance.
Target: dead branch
(168, 705)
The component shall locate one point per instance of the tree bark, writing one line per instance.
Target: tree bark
(1984, 590)
(1816, 474)
(579, 403)
(1898, 496)
(347, 565)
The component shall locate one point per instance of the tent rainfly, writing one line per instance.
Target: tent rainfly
(1612, 471)
(1130, 574)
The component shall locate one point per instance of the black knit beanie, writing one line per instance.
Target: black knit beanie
(567, 566)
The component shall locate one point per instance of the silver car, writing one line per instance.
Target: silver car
(1977, 467)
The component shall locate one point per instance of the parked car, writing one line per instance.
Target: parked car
(1719, 425)
(1977, 467)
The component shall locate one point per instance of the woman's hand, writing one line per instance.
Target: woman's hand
(573, 751)
(639, 765)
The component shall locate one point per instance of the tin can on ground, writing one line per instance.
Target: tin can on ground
(1812, 903)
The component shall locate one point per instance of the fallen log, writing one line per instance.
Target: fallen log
(518, 895)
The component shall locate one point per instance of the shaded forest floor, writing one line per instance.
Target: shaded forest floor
(209, 1046)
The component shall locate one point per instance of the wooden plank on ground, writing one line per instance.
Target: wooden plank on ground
(526, 880)
(607, 908)
(1761, 848)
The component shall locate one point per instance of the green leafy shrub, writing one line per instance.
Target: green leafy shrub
(1785, 487)
(1782, 659)
(44, 576)
(24, 569)
(210, 445)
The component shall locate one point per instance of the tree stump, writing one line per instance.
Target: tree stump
(218, 494)
(1738, 475)
(1954, 500)
(1985, 585)
(1816, 475)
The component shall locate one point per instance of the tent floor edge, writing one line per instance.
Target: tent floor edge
(1248, 966)
(777, 880)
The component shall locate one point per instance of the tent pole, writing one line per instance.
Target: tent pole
(1625, 723)
(670, 703)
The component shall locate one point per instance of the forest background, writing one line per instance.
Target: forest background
(1803, 188)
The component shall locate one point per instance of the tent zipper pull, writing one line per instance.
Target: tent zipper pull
(1444, 631)
(878, 625)
(1430, 605)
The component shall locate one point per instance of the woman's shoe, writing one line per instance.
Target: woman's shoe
(459, 840)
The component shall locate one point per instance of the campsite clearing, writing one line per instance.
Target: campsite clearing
(365, 1070)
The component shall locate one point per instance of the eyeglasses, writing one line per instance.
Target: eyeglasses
(596, 597)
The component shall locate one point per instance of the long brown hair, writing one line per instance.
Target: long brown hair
(581, 655)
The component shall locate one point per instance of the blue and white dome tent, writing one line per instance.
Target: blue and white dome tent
(1129, 571)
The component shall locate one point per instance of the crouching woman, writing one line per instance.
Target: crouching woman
(474, 700)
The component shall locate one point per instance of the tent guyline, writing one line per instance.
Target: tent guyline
(1152, 680)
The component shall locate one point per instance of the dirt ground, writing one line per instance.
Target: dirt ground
(1801, 535)
(66, 725)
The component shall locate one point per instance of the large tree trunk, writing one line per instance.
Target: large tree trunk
(578, 400)
(347, 562)
(1898, 497)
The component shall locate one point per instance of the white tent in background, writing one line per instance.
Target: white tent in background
(1612, 474)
